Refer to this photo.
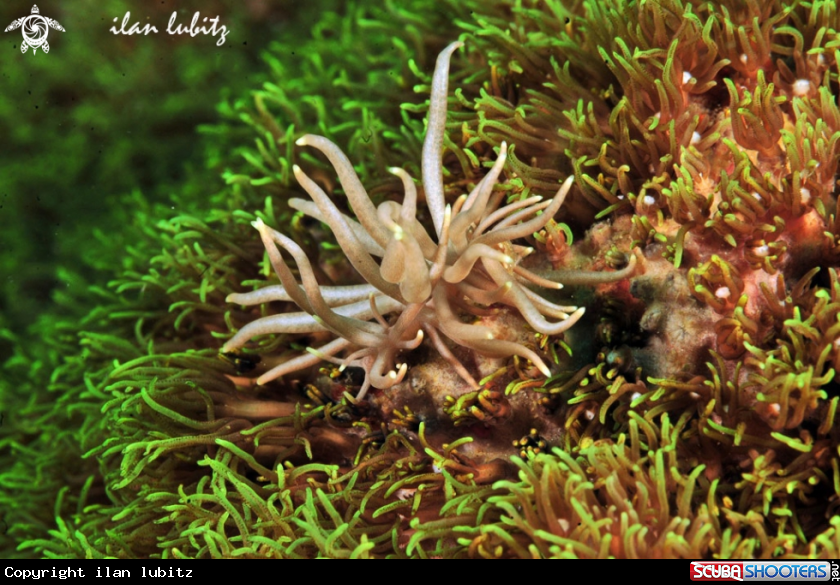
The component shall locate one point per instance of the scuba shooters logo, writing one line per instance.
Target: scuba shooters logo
(798, 571)
(34, 29)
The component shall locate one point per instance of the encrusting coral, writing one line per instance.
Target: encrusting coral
(690, 412)
(474, 265)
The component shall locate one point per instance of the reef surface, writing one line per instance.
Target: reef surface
(688, 412)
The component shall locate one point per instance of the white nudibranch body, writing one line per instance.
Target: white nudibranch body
(418, 285)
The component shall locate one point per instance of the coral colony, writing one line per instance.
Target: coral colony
(605, 322)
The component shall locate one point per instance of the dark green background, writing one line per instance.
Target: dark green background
(103, 116)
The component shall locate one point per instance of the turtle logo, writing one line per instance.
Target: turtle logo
(35, 29)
